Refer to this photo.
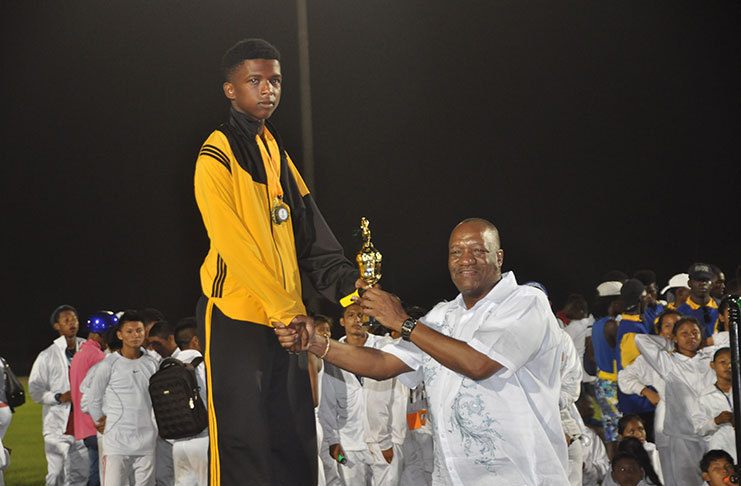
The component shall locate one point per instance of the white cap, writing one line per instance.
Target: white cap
(679, 280)
(608, 289)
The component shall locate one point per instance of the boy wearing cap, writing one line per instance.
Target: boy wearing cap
(90, 353)
(631, 324)
(700, 304)
(48, 384)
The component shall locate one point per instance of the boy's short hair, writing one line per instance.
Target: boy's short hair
(626, 419)
(244, 50)
(62, 308)
(151, 315)
(129, 316)
(186, 328)
(111, 338)
(712, 456)
(725, 349)
(162, 329)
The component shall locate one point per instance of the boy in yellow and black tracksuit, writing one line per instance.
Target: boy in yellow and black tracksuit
(265, 231)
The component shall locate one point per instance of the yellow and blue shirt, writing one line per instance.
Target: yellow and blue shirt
(706, 315)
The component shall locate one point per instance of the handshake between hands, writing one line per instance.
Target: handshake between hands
(299, 336)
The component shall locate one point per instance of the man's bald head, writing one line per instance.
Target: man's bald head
(491, 231)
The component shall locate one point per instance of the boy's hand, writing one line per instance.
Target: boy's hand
(65, 397)
(388, 454)
(296, 336)
(100, 424)
(335, 451)
(651, 396)
(724, 417)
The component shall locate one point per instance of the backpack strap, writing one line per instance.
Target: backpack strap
(196, 361)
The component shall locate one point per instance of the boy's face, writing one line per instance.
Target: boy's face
(627, 472)
(718, 470)
(352, 321)
(322, 328)
(635, 428)
(67, 324)
(131, 334)
(254, 88)
(722, 365)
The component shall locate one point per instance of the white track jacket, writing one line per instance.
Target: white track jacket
(49, 376)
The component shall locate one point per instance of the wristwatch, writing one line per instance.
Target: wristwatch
(407, 327)
(57, 397)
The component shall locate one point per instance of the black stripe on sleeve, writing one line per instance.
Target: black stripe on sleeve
(217, 156)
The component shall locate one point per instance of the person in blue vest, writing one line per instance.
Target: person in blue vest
(651, 306)
(604, 334)
(700, 304)
(631, 324)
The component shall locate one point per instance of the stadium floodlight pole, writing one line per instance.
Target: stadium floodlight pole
(307, 131)
(734, 316)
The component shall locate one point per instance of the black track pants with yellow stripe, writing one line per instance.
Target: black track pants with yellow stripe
(261, 413)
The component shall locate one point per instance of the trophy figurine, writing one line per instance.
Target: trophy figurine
(369, 261)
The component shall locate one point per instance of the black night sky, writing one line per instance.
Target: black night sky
(596, 135)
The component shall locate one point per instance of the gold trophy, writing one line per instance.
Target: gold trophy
(369, 262)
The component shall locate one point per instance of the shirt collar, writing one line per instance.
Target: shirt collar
(246, 125)
(694, 305)
(498, 294)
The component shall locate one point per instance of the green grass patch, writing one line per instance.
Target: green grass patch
(27, 459)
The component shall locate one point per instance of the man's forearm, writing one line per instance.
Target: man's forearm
(359, 360)
(454, 354)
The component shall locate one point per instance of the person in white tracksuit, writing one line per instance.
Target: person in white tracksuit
(357, 414)
(639, 378)
(714, 419)
(687, 373)
(119, 403)
(571, 375)
(190, 455)
(48, 385)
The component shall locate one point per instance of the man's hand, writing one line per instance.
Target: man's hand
(384, 307)
(100, 424)
(336, 452)
(65, 397)
(388, 454)
(296, 336)
(724, 417)
(651, 395)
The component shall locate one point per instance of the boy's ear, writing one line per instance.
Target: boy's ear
(706, 477)
(56, 326)
(229, 90)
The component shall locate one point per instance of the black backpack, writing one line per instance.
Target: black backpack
(14, 392)
(178, 408)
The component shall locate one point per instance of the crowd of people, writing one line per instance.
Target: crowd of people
(645, 394)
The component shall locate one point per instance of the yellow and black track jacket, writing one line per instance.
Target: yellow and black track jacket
(252, 269)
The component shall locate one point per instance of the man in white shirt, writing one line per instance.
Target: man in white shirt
(48, 384)
(359, 415)
(490, 361)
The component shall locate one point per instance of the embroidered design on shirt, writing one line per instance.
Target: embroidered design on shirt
(475, 425)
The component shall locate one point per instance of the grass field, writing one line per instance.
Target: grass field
(27, 459)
